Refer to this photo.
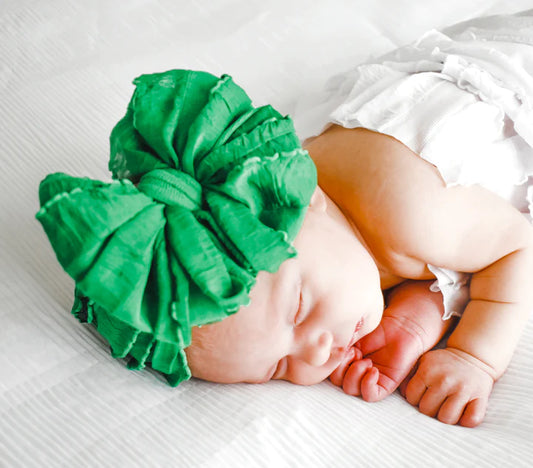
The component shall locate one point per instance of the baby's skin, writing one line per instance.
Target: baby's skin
(381, 214)
(380, 361)
(385, 358)
(454, 383)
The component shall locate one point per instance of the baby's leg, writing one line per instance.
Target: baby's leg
(411, 325)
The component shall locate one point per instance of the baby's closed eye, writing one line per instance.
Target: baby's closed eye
(301, 307)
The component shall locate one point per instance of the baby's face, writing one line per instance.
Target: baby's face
(301, 320)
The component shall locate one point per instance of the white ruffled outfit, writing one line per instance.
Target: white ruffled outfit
(462, 99)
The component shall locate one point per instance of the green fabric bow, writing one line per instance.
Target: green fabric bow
(217, 191)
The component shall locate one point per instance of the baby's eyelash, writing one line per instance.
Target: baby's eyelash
(298, 318)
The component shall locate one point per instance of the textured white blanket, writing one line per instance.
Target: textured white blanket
(65, 78)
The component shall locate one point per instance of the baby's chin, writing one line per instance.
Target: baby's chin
(307, 380)
(315, 376)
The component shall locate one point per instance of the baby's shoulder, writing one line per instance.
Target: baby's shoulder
(383, 187)
(402, 207)
(372, 173)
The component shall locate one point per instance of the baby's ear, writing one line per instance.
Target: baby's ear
(318, 200)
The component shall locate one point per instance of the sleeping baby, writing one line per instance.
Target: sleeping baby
(226, 251)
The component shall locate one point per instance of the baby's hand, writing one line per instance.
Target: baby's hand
(451, 385)
(381, 360)
(389, 353)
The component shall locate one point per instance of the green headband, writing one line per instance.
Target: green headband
(217, 191)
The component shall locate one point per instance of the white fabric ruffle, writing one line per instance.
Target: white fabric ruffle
(463, 100)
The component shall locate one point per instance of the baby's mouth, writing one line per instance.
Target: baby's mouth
(355, 335)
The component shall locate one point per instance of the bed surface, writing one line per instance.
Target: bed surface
(65, 79)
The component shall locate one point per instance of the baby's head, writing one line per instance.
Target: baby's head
(303, 318)
(224, 258)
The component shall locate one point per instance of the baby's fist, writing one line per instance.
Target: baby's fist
(451, 385)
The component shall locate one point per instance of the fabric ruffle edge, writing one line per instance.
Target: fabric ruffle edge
(139, 348)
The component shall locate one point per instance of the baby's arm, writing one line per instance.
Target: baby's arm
(411, 325)
(454, 384)
(470, 229)
(404, 206)
(473, 230)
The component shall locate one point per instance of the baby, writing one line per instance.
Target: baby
(222, 197)
(380, 220)
(386, 216)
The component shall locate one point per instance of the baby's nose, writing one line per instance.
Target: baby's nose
(313, 346)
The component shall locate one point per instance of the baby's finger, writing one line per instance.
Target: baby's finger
(352, 379)
(474, 412)
(403, 385)
(452, 409)
(337, 375)
(372, 342)
(431, 402)
(415, 390)
(371, 388)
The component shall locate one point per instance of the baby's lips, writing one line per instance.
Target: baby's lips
(356, 335)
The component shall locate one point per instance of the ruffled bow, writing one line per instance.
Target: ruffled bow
(211, 190)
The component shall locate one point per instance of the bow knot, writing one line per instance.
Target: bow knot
(172, 187)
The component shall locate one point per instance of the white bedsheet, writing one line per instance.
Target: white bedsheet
(65, 78)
